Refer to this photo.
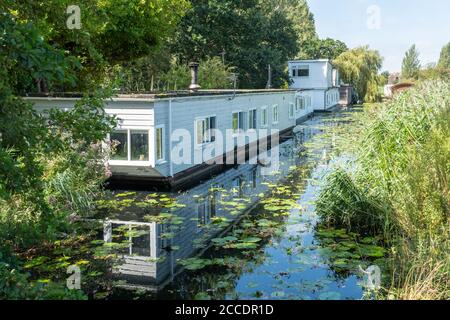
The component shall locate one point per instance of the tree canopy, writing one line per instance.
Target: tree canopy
(411, 64)
(250, 35)
(323, 49)
(444, 59)
(112, 31)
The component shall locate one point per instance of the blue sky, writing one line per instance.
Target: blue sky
(402, 23)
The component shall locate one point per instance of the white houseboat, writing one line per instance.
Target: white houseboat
(175, 140)
(320, 78)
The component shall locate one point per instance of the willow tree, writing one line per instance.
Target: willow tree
(360, 67)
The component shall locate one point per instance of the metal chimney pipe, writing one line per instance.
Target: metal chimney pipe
(194, 76)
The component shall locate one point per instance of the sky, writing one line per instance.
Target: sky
(389, 26)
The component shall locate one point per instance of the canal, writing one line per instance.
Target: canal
(244, 234)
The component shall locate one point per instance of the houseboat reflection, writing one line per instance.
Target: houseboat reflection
(207, 211)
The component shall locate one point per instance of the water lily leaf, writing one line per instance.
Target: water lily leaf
(331, 295)
(242, 245)
(251, 240)
(372, 251)
(278, 294)
(202, 296)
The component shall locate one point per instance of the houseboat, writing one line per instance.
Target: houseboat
(319, 78)
(172, 141)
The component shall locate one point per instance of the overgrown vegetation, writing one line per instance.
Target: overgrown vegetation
(398, 187)
(52, 163)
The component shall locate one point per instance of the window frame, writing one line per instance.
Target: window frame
(303, 68)
(239, 129)
(254, 113)
(212, 137)
(163, 142)
(275, 107)
(264, 116)
(129, 162)
(291, 110)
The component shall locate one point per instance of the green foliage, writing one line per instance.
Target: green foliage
(384, 78)
(411, 64)
(16, 285)
(112, 31)
(434, 73)
(444, 59)
(343, 203)
(212, 74)
(52, 165)
(26, 58)
(302, 20)
(402, 162)
(323, 49)
(252, 35)
(359, 67)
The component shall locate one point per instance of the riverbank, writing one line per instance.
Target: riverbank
(397, 188)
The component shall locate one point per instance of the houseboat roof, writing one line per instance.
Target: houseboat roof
(157, 96)
(311, 61)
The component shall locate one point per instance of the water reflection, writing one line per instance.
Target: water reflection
(241, 234)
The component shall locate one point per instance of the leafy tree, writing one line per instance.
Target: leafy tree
(360, 67)
(36, 147)
(212, 74)
(431, 72)
(323, 49)
(384, 77)
(411, 64)
(302, 20)
(250, 34)
(444, 60)
(112, 31)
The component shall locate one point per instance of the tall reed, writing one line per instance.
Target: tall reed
(400, 188)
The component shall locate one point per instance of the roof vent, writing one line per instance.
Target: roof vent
(194, 76)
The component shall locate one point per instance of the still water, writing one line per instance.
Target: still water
(243, 234)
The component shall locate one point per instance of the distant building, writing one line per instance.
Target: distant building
(320, 78)
(394, 78)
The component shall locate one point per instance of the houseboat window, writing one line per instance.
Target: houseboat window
(238, 121)
(252, 119)
(264, 120)
(120, 138)
(291, 110)
(275, 116)
(303, 71)
(159, 144)
(205, 129)
(139, 146)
